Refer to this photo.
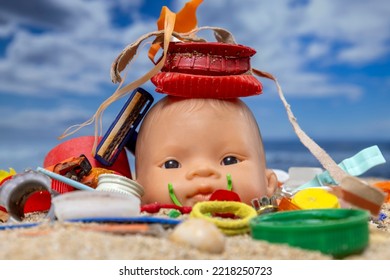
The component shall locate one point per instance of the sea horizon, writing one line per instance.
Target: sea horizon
(285, 153)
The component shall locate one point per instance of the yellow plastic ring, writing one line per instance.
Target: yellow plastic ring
(227, 226)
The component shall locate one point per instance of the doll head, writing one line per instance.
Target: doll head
(193, 144)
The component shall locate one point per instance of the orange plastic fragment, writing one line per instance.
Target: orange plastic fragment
(119, 228)
(185, 22)
(185, 18)
(384, 186)
(286, 204)
(3, 216)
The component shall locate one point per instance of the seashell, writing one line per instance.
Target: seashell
(200, 234)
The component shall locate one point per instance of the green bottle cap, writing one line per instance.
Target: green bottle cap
(336, 232)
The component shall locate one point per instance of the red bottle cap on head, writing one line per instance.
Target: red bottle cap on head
(207, 70)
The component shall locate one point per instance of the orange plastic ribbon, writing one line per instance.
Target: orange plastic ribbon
(185, 22)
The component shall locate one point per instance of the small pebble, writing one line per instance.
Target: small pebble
(200, 234)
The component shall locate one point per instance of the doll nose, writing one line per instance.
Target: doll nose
(203, 171)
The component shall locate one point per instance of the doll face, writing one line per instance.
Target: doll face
(194, 151)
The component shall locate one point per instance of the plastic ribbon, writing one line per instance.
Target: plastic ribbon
(353, 190)
(173, 196)
(355, 166)
(119, 64)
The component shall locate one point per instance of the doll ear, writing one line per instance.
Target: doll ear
(272, 182)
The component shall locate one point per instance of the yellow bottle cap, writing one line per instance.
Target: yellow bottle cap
(315, 198)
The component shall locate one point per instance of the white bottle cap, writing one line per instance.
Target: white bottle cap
(121, 184)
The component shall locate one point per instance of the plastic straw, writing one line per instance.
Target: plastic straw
(65, 180)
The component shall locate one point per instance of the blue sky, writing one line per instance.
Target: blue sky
(332, 59)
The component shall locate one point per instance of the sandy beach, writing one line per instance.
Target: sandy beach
(74, 241)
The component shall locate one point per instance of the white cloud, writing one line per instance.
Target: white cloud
(22, 156)
(317, 50)
(75, 59)
(363, 28)
(74, 43)
(28, 134)
(76, 53)
(36, 118)
(289, 38)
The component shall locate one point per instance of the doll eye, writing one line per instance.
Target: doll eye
(229, 160)
(171, 164)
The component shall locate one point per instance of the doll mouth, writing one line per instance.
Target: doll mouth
(200, 197)
(202, 194)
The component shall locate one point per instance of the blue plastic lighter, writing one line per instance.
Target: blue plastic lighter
(122, 132)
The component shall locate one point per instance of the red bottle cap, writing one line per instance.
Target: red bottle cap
(207, 70)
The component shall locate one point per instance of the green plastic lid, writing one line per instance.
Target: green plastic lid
(336, 232)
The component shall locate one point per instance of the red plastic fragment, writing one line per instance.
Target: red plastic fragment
(212, 48)
(210, 59)
(155, 207)
(225, 195)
